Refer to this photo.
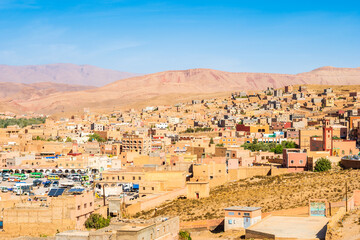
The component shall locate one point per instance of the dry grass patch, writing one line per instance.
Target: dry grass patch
(271, 193)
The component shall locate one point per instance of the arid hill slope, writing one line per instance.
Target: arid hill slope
(187, 83)
(21, 91)
(61, 73)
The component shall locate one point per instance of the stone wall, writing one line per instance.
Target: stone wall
(332, 225)
(152, 202)
(251, 234)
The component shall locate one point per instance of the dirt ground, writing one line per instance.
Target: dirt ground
(271, 193)
(350, 226)
(207, 235)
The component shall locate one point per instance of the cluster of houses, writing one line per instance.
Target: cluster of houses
(167, 152)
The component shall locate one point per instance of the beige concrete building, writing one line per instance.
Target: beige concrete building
(67, 212)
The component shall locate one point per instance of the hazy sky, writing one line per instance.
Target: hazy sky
(149, 36)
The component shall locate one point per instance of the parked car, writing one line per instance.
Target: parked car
(47, 183)
(37, 182)
(53, 176)
(55, 184)
(6, 177)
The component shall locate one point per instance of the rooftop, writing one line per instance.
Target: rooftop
(241, 208)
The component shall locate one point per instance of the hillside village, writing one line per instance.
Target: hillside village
(186, 166)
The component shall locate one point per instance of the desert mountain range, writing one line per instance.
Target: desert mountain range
(65, 73)
(172, 86)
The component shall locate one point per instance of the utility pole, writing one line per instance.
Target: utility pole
(346, 196)
(104, 194)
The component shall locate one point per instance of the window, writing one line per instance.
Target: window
(239, 213)
(231, 213)
(292, 161)
(247, 214)
(123, 178)
(343, 152)
(90, 204)
(153, 188)
(78, 207)
(85, 205)
(301, 161)
(134, 178)
(230, 221)
(113, 178)
(143, 188)
(139, 178)
(118, 177)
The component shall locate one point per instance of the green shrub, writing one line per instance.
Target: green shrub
(184, 235)
(97, 221)
(322, 164)
(96, 137)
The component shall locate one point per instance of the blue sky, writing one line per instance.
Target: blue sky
(149, 36)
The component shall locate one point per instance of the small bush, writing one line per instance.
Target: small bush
(97, 221)
(184, 235)
(322, 164)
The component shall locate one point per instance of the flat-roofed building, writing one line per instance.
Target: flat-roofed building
(238, 217)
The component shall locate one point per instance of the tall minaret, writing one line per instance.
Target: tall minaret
(327, 136)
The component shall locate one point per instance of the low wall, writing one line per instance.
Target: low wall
(202, 224)
(347, 164)
(103, 211)
(251, 234)
(149, 203)
(342, 204)
(279, 171)
(332, 225)
(356, 197)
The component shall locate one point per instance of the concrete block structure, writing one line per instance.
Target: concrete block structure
(196, 190)
(238, 217)
(160, 228)
(295, 159)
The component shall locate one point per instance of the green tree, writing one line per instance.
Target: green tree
(184, 235)
(289, 144)
(97, 221)
(96, 137)
(322, 164)
(189, 130)
(68, 139)
(278, 149)
(211, 141)
(21, 122)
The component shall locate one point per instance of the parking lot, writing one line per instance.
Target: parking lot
(293, 227)
(39, 190)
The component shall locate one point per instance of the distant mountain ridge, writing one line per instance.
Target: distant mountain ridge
(65, 73)
(192, 82)
(170, 87)
(20, 91)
